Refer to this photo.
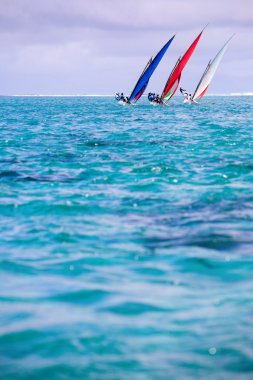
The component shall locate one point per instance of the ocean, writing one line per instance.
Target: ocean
(126, 239)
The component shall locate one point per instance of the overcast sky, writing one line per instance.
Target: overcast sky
(101, 46)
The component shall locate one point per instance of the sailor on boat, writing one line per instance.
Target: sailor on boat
(155, 99)
(151, 96)
(119, 97)
(187, 97)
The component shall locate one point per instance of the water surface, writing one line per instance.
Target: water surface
(126, 239)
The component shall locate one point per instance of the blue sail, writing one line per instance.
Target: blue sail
(148, 71)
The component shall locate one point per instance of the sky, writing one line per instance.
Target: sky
(101, 46)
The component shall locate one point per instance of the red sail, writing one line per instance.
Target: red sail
(181, 64)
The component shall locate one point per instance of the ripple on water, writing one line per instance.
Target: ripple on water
(126, 239)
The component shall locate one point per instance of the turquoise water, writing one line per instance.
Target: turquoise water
(126, 239)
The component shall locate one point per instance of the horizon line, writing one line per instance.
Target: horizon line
(112, 96)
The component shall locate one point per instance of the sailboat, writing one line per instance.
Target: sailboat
(146, 75)
(209, 72)
(174, 78)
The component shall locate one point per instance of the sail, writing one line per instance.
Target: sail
(174, 78)
(148, 71)
(209, 73)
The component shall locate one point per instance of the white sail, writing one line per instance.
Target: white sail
(209, 73)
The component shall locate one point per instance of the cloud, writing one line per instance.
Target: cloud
(117, 15)
(97, 46)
